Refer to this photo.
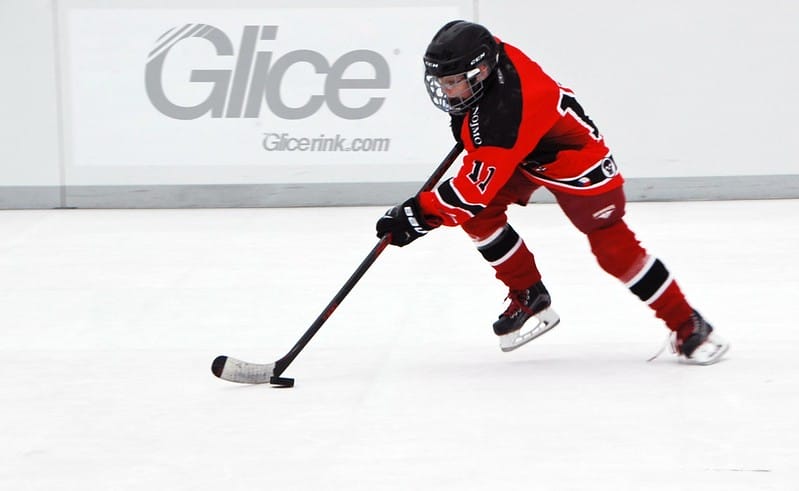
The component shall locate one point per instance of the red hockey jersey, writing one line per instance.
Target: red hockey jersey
(524, 119)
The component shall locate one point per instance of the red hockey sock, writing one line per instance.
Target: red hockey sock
(672, 307)
(519, 270)
(513, 262)
(620, 254)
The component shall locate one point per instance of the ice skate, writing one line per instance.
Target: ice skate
(531, 304)
(701, 347)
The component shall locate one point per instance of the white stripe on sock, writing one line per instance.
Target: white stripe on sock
(507, 256)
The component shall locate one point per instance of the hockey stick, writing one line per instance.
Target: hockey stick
(243, 372)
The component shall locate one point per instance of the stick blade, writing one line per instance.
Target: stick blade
(282, 382)
(242, 372)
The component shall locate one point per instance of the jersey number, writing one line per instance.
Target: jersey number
(568, 103)
(477, 170)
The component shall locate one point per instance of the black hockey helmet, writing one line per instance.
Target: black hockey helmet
(463, 50)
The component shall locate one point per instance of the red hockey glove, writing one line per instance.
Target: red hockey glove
(405, 223)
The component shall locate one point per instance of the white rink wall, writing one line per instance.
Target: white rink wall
(200, 104)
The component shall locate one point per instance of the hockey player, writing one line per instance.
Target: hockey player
(522, 130)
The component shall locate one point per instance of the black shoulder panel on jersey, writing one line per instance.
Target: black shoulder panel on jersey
(496, 119)
(455, 124)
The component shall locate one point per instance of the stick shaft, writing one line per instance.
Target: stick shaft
(284, 362)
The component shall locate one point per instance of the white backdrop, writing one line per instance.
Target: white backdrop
(690, 96)
(304, 129)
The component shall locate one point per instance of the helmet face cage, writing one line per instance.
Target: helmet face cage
(455, 105)
(463, 50)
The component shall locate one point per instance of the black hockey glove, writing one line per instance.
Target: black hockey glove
(405, 223)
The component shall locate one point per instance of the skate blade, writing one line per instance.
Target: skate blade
(708, 352)
(546, 320)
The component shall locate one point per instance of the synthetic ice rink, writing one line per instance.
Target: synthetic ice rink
(111, 318)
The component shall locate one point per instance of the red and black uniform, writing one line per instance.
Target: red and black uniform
(525, 132)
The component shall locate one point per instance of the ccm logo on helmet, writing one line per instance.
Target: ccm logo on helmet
(246, 86)
(478, 58)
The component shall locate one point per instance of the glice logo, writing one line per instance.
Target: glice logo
(247, 85)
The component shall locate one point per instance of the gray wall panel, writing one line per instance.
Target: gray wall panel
(371, 194)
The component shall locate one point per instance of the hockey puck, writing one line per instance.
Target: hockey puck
(218, 366)
(282, 381)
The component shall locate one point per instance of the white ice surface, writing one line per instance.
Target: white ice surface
(110, 320)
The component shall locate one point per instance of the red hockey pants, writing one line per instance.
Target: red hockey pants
(600, 218)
